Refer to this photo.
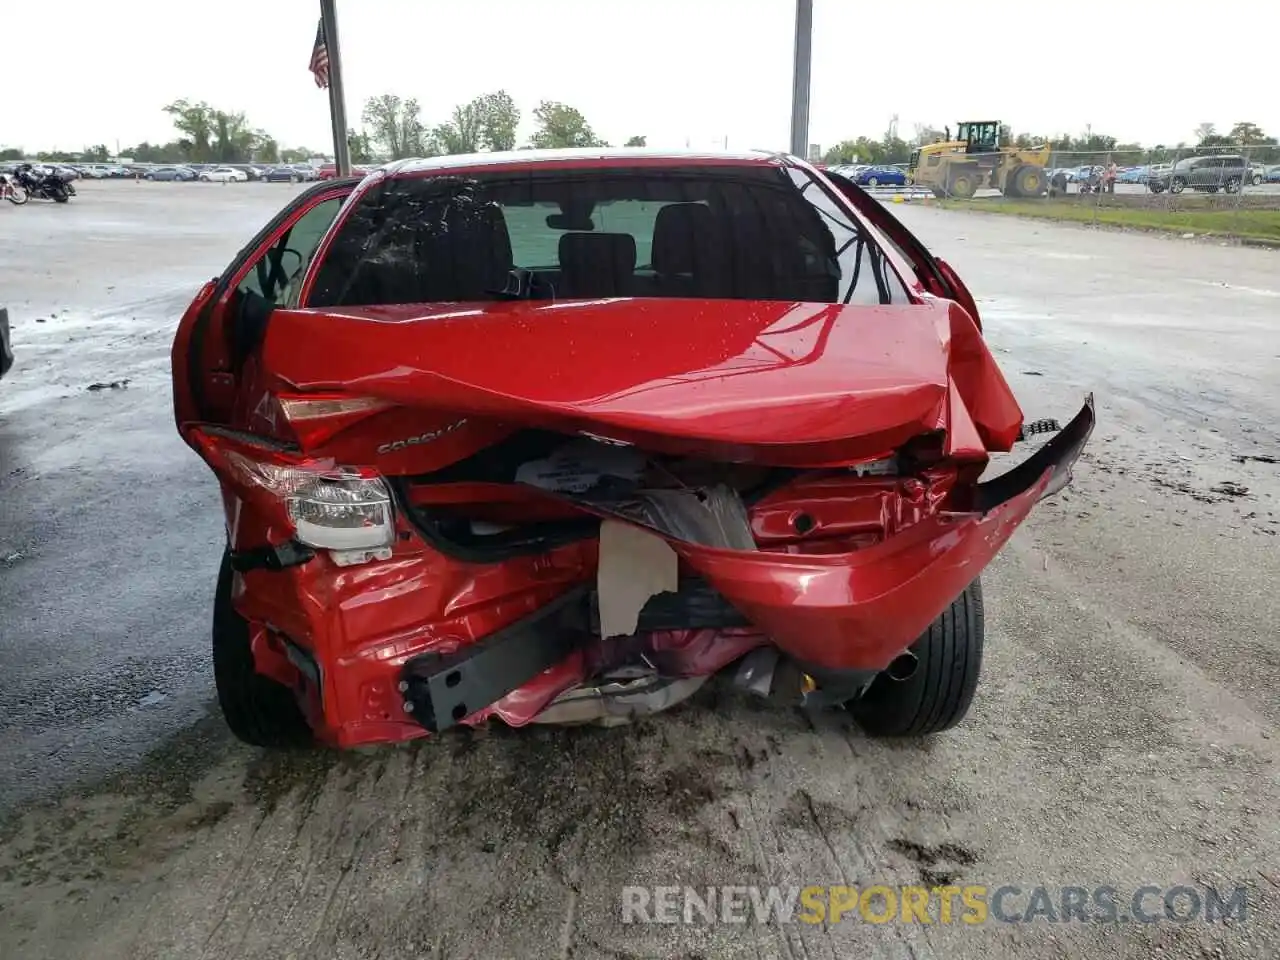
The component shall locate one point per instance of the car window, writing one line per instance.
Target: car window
(274, 275)
(749, 232)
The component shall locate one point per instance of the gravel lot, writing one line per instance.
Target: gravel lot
(1125, 733)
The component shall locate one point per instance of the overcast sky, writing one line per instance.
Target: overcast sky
(673, 70)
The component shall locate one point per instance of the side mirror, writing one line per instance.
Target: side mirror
(960, 293)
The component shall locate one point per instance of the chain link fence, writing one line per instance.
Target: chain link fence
(1232, 192)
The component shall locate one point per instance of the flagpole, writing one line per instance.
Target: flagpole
(337, 103)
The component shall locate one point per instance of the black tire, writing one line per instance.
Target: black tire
(59, 194)
(962, 184)
(873, 182)
(1026, 180)
(937, 695)
(17, 195)
(1232, 185)
(258, 710)
(1177, 185)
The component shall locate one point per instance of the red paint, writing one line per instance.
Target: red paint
(412, 389)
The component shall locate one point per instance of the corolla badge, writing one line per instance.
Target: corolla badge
(421, 438)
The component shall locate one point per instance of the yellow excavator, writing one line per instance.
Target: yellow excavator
(975, 160)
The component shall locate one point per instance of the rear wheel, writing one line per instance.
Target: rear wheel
(872, 182)
(258, 710)
(937, 695)
(1177, 185)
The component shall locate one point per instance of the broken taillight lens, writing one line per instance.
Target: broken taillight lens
(346, 511)
(342, 513)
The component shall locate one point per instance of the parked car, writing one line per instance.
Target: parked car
(880, 175)
(1272, 175)
(1133, 175)
(169, 173)
(223, 175)
(1204, 174)
(1257, 174)
(327, 171)
(282, 174)
(448, 480)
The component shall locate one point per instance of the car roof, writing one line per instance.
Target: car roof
(584, 156)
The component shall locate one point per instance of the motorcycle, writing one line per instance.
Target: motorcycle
(12, 191)
(43, 184)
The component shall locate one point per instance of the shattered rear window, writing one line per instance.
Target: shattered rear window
(749, 232)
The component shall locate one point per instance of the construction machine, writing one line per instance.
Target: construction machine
(975, 159)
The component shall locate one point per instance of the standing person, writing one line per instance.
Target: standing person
(1111, 174)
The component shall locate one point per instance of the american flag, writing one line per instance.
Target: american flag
(320, 58)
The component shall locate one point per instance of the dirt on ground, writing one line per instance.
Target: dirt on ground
(1125, 735)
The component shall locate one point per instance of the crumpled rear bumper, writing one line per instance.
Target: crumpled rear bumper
(857, 611)
(844, 613)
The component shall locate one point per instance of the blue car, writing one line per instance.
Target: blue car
(282, 175)
(880, 176)
(1134, 175)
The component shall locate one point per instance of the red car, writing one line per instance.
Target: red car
(560, 436)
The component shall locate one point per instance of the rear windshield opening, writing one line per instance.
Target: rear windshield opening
(751, 232)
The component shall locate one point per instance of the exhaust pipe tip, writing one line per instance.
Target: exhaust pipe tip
(903, 666)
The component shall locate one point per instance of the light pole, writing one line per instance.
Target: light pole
(800, 79)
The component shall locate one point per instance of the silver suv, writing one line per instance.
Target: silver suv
(1207, 174)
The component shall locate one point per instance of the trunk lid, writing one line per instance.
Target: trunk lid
(794, 384)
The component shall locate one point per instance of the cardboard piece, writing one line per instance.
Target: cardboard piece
(634, 566)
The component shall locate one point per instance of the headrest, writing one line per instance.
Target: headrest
(683, 234)
(596, 264)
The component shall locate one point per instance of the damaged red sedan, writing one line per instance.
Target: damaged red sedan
(558, 437)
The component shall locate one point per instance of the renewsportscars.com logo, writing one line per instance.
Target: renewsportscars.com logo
(971, 904)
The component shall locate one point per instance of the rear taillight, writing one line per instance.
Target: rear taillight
(342, 513)
(344, 510)
(317, 418)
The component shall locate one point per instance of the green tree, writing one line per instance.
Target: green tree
(266, 150)
(1246, 134)
(560, 125)
(360, 145)
(212, 135)
(395, 125)
(194, 121)
(1204, 131)
(499, 118)
(637, 142)
(460, 133)
(297, 155)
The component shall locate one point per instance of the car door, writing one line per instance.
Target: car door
(209, 344)
(935, 275)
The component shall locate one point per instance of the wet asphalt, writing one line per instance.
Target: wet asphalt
(1125, 732)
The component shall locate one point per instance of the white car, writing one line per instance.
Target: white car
(224, 175)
